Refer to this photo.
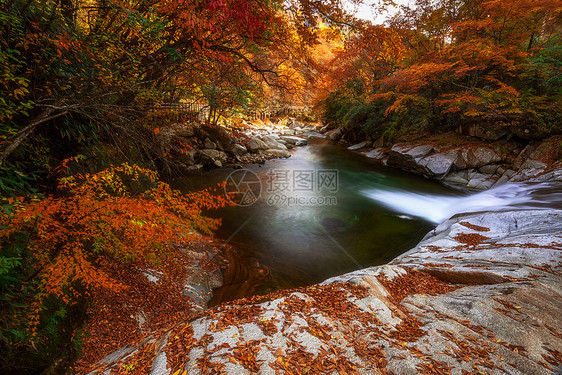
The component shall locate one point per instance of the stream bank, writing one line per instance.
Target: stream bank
(193, 148)
(478, 294)
(469, 158)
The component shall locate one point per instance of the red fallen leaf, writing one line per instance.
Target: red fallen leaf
(156, 131)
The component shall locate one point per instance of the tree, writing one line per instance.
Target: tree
(458, 62)
(57, 251)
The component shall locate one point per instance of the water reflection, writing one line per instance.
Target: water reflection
(301, 244)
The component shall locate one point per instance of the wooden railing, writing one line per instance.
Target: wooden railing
(200, 111)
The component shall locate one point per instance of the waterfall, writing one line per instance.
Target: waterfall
(436, 208)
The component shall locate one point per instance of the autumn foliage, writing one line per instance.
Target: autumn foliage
(440, 64)
(96, 222)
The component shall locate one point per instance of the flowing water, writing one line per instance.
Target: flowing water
(365, 214)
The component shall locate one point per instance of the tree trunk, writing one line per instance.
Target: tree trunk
(21, 135)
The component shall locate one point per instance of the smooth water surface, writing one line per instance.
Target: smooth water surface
(329, 232)
(303, 234)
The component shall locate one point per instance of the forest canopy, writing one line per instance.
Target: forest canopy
(437, 65)
(82, 95)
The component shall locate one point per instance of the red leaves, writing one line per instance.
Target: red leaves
(114, 217)
(245, 354)
(474, 227)
(471, 239)
(415, 282)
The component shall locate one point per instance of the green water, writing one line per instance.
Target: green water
(302, 244)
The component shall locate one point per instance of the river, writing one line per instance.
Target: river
(326, 211)
(303, 233)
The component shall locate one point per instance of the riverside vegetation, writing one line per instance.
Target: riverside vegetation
(85, 143)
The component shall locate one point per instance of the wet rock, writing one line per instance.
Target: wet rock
(533, 164)
(480, 181)
(360, 145)
(288, 132)
(238, 149)
(475, 158)
(524, 155)
(479, 293)
(376, 153)
(406, 156)
(502, 180)
(334, 135)
(272, 143)
(297, 141)
(489, 169)
(484, 156)
(256, 144)
(212, 157)
(460, 177)
(437, 165)
(527, 174)
(207, 143)
(315, 135)
(278, 153)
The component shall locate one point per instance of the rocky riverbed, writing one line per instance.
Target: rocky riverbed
(479, 294)
(468, 161)
(191, 148)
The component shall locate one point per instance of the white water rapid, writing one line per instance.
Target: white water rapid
(437, 208)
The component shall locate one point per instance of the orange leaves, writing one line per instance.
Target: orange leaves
(121, 214)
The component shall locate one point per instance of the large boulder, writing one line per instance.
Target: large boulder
(376, 153)
(256, 144)
(437, 165)
(548, 151)
(278, 153)
(273, 143)
(207, 143)
(484, 156)
(334, 135)
(187, 156)
(480, 294)
(475, 158)
(406, 156)
(238, 149)
(222, 139)
(212, 157)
